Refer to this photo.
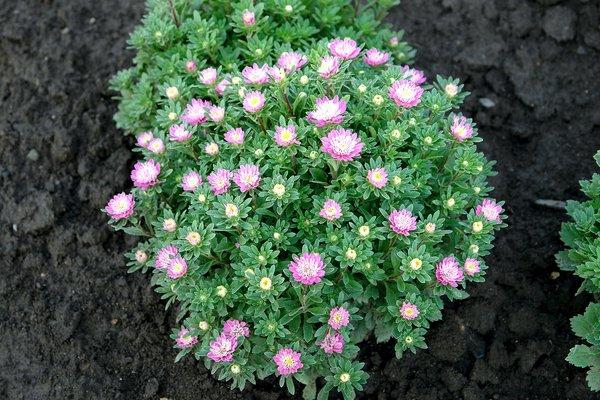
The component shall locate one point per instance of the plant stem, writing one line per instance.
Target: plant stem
(174, 13)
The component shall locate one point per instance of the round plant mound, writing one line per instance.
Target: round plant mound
(307, 209)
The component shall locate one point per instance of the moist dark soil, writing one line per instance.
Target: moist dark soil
(74, 325)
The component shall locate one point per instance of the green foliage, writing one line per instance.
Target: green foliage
(587, 326)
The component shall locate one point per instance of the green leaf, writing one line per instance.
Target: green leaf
(583, 356)
(593, 378)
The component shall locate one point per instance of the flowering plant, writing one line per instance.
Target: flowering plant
(582, 238)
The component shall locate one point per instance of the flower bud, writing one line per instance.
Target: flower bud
(474, 249)
(235, 369)
(451, 90)
(276, 235)
(362, 88)
(141, 256)
(430, 227)
(266, 283)
(450, 202)
(289, 8)
(303, 79)
(203, 325)
(351, 254)
(202, 198)
(477, 226)
(221, 291)
(193, 238)
(377, 100)
(190, 66)
(172, 92)
(236, 80)
(278, 190)
(231, 210)
(364, 231)
(345, 377)
(248, 18)
(172, 116)
(416, 264)
(169, 225)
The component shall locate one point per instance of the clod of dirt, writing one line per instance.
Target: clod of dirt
(559, 23)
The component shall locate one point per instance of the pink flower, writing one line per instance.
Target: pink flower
(256, 75)
(222, 86)
(178, 133)
(145, 174)
(247, 177)
(490, 210)
(332, 343)
(448, 272)
(278, 74)
(195, 112)
(377, 177)
(345, 49)
(409, 311)
(402, 222)
(164, 256)
(288, 361)
(219, 181)
(375, 57)
(291, 61)
(216, 113)
(248, 18)
(184, 340)
(156, 146)
(191, 181)
(120, 206)
(414, 75)
(307, 269)
(405, 93)
(254, 101)
(328, 111)
(472, 266)
(394, 41)
(331, 210)
(177, 267)
(329, 66)
(234, 328)
(342, 144)
(235, 136)
(208, 76)
(286, 135)
(190, 66)
(222, 348)
(461, 129)
(339, 317)
(144, 138)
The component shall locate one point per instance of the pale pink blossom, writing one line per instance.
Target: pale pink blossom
(254, 101)
(222, 348)
(156, 146)
(331, 210)
(472, 266)
(288, 361)
(235, 328)
(184, 339)
(402, 221)
(329, 66)
(327, 111)
(216, 113)
(291, 61)
(256, 75)
(308, 268)
(145, 174)
(144, 138)
(409, 311)
(285, 136)
(120, 206)
(377, 177)
(345, 49)
(191, 181)
(177, 267)
(461, 129)
(342, 144)
(219, 181)
(414, 75)
(235, 136)
(208, 76)
(247, 177)
(490, 210)
(195, 112)
(164, 256)
(448, 272)
(222, 86)
(332, 343)
(248, 18)
(375, 57)
(405, 93)
(339, 317)
(179, 133)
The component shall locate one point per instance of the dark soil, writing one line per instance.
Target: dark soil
(74, 325)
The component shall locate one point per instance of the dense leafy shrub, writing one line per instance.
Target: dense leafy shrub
(582, 238)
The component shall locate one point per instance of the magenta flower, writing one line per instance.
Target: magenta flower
(307, 269)
(461, 129)
(145, 174)
(472, 266)
(328, 111)
(448, 272)
(191, 181)
(195, 112)
(288, 361)
(234, 328)
(222, 86)
(329, 66)
(345, 49)
(256, 75)
(375, 57)
(247, 177)
(208, 76)
(164, 256)
(222, 348)
(291, 61)
(156, 146)
(332, 343)
(377, 177)
(216, 113)
(184, 339)
(254, 101)
(409, 311)
(285, 136)
(235, 136)
(490, 210)
(248, 18)
(177, 267)
(120, 206)
(144, 138)
(278, 74)
(394, 41)
(331, 210)
(339, 317)
(178, 133)
(405, 93)
(191, 66)
(342, 144)
(219, 181)
(402, 221)
(414, 75)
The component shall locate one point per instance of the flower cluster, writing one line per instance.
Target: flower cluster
(308, 210)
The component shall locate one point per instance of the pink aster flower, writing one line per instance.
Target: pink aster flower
(291, 61)
(222, 86)
(332, 343)
(329, 66)
(307, 269)
(414, 75)
(327, 111)
(375, 57)
(191, 181)
(184, 339)
(331, 210)
(216, 113)
(377, 177)
(256, 75)
(247, 177)
(339, 317)
(178, 133)
(490, 210)
(190, 66)
(288, 361)
(278, 74)
(195, 112)
(394, 41)
(235, 136)
(208, 76)
(219, 181)
(248, 18)
(235, 328)
(120, 206)
(156, 146)
(342, 144)
(409, 311)
(177, 267)
(144, 138)
(402, 222)
(222, 348)
(164, 256)
(472, 266)
(345, 49)
(461, 129)
(254, 101)
(405, 93)
(448, 272)
(285, 136)
(145, 174)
